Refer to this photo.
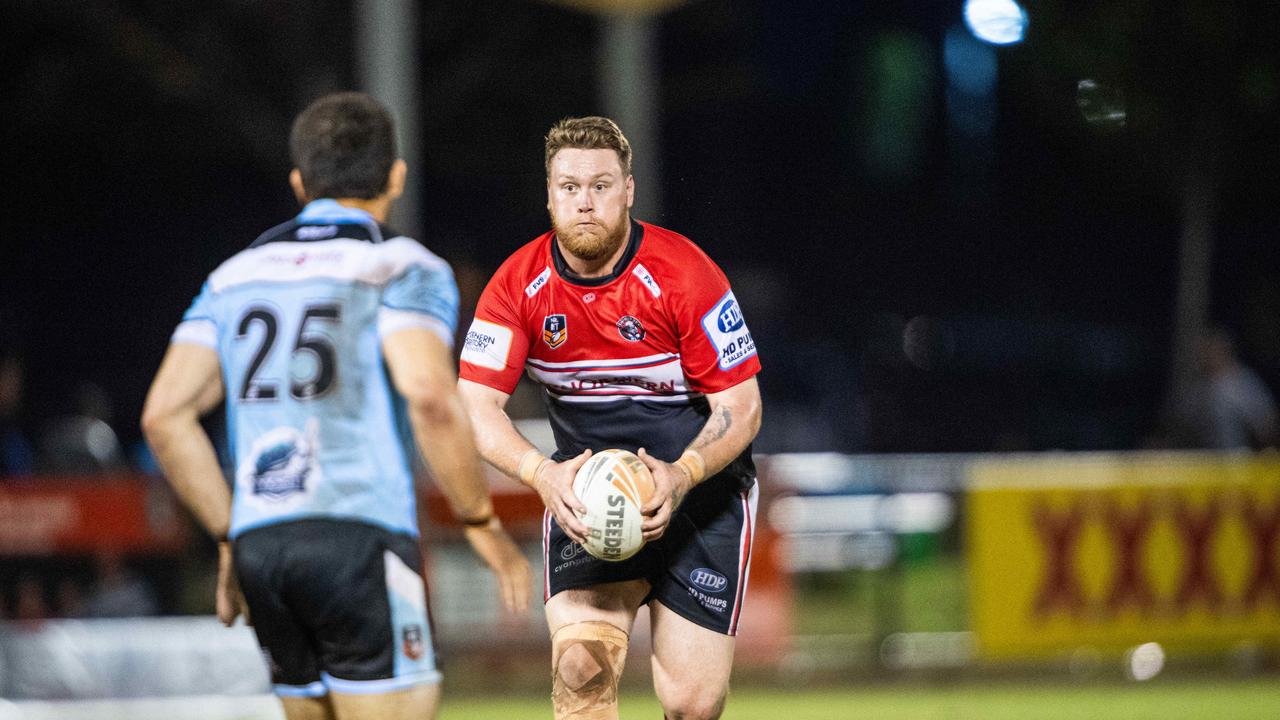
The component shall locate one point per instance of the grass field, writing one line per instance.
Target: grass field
(1195, 700)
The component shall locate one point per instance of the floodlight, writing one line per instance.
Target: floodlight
(999, 22)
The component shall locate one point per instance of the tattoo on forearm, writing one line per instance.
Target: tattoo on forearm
(717, 427)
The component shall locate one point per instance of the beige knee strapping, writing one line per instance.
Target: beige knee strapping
(586, 662)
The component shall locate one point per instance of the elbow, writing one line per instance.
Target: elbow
(432, 404)
(160, 421)
(153, 423)
(755, 418)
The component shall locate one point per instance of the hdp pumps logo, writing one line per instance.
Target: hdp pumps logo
(708, 580)
(282, 461)
(727, 331)
(730, 317)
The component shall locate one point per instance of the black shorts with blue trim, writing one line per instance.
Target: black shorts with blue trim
(698, 568)
(337, 605)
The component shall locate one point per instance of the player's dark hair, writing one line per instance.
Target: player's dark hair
(344, 145)
(588, 133)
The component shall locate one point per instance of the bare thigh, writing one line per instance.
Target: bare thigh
(614, 603)
(418, 702)
(691, 664)
(307, 708)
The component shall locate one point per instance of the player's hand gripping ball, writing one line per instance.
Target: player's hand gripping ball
(613, 484)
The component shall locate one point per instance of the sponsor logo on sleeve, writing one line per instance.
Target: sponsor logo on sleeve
(487, 345)
(727, 331)
(630, 328)
(538, 282)
(555, 330)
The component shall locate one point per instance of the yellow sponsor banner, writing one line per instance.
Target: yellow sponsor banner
(1110, 551)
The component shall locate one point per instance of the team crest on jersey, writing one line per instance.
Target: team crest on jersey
(412, 642)
(630, 328)
(555, 330)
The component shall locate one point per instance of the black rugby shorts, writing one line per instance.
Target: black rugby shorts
(337, 605)
(698, 568)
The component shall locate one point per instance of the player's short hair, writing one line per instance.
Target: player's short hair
(589, 133)
(344, 145)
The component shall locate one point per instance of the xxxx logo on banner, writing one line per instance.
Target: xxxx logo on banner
(1115, 551)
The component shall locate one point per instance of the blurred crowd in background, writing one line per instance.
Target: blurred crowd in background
(940, 246)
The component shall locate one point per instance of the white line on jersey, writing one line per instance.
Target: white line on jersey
(609, 363)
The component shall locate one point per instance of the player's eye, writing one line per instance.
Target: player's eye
(569, 187)
(601, 187)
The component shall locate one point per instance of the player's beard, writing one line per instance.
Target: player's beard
(591, 243)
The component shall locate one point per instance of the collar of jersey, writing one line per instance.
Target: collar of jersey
(324, 212)
(329, 212)
(562, 267)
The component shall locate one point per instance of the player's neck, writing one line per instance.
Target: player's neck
(379, 208)
(589, 269)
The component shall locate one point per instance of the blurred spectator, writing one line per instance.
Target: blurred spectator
(117, 591)
(1230, 406)
(84, 441)
(16, 454)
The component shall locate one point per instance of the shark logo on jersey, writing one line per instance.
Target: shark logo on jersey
(555, 330)
(281, 462)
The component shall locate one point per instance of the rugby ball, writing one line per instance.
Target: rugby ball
(613, 484)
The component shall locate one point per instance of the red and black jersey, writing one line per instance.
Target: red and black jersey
(625, 359)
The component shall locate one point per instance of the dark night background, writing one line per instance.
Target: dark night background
(811, 148)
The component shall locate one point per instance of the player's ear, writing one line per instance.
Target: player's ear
(631, 191)
(396, 178)
(295, 182)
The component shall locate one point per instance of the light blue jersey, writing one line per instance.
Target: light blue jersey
(297, 320)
